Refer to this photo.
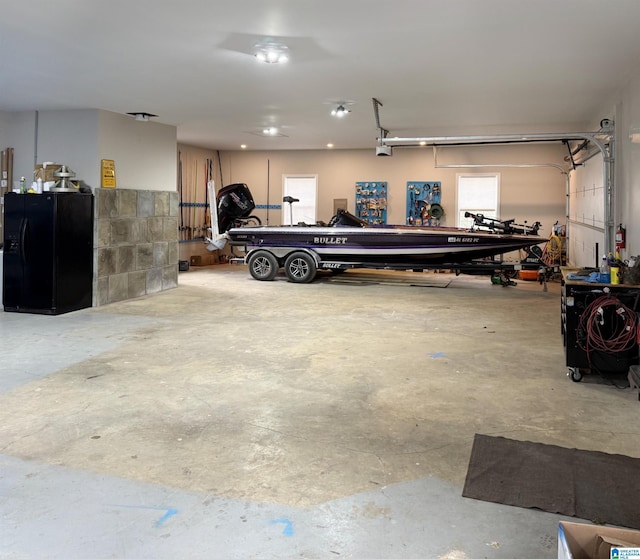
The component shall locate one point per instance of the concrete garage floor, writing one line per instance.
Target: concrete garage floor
(240, 419)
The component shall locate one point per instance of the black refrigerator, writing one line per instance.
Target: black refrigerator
(48, 252)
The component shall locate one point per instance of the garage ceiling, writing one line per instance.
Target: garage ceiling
(440, 67)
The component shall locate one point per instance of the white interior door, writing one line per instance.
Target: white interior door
(305, 189)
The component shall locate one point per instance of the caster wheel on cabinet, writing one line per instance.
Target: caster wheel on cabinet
(574, 374)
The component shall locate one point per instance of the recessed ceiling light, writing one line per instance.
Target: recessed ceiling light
(423, 143)
(329, 145)
(272, 53)
(243, 146)
(271, 132)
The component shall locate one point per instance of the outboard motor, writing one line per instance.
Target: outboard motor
(234, 202)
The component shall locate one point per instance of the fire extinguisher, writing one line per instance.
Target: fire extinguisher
(621, 237)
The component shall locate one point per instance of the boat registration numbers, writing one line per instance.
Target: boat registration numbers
(463, 239)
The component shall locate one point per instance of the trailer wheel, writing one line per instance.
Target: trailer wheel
(263, 265)
(300, 267)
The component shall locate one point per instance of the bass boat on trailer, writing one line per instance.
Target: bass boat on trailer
(349, 242)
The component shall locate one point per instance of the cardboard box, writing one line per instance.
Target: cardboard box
(204, 260)
(590, 541)
(46, 172)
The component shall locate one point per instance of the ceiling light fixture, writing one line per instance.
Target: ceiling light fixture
(340, 111)
(272, 131)
(272, 53)
(142, 116)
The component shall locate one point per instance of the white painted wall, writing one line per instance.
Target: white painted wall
(70, 138)
(18, 132)
(525, 194)
(624, 109)
(5, 124)
(627, 168)
(144, 152)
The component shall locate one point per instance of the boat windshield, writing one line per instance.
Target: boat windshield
(345, 219)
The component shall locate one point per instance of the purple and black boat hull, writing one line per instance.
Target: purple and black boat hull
(348, 242)
(390, 245)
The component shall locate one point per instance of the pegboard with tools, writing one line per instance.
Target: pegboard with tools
(371, 202)
(423, 203)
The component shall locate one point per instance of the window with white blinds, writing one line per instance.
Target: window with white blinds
(477, 194)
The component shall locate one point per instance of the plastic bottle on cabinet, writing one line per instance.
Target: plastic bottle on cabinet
(615, 273)
(605, 274)
(614, 268)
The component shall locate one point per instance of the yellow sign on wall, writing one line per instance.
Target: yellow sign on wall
(108, 173)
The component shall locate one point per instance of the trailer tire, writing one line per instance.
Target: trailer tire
(300, 267)
(263, 265)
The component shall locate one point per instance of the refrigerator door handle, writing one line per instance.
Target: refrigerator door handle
(23, 239)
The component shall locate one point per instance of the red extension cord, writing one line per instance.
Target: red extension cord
(609, 325)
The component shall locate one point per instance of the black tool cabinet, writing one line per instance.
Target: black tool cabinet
(576, 296)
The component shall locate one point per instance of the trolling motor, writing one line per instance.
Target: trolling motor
(507, 227)
(290, 200)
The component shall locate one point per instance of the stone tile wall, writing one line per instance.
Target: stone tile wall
(135, 243)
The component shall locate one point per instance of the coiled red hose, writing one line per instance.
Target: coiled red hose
(608, 326)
